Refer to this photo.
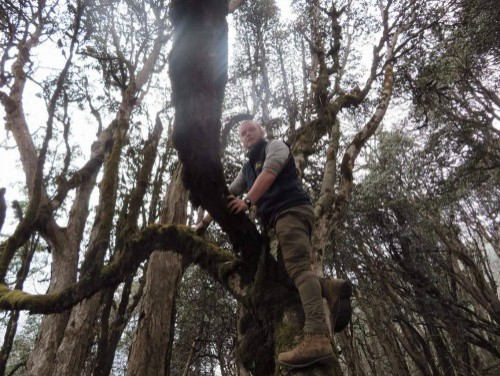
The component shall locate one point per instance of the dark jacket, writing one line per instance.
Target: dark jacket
(285, 192)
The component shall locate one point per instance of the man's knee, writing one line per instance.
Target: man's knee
(301, 275)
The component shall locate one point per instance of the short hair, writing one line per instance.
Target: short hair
(263, 131)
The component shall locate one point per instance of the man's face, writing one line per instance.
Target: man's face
(250, 134)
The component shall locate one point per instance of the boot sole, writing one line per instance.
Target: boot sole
(323, 360)
(344, 308)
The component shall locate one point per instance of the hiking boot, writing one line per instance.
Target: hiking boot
(337, 293)
(314, 348)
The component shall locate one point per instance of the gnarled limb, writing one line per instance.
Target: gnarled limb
(181, 239)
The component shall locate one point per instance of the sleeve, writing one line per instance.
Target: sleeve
(277, 154)
(239, 185)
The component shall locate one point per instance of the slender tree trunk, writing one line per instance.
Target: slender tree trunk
(10, 333)
(442, 350)
(27, 255)
(412, 342)
(110, 334)
(63, 268)
(78, 335)
(189, 359)
(153, 339)
(3, 207)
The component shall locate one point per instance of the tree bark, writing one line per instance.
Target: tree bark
(110, 337)
(153, 339)
(3, 207)
(42, 358)
(64, 268)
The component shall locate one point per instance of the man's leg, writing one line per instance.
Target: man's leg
(294, 234)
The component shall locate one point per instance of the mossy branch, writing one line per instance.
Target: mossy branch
(181, 239)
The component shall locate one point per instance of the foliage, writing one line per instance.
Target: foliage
(205, 337)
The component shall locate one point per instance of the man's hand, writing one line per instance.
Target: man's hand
(200, 228)
(236, 205)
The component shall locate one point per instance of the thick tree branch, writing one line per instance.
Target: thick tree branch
(327, 193)
(99, 149)
(354, 148)
(198, 77)
(181, 239)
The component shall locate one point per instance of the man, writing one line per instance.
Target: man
(270, 177)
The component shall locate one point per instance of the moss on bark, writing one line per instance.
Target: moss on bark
(177, 238)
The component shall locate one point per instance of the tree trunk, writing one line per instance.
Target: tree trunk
(64, 268)
(242, 371)
(153, 339)
(10, 332)
(77, 338)
(42, 359)
(72, 352)
(110, 334)
(198, 71)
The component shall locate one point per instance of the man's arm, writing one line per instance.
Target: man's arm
(261, 185)
(277, 154)
(239, 185)
(236, 188)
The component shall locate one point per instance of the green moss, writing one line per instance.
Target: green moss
(13, 298)
(287, 335)
(17, 299)
(3, 288)
(216, 261)
(110, 270)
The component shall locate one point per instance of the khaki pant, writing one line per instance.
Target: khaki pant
(293, 229)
